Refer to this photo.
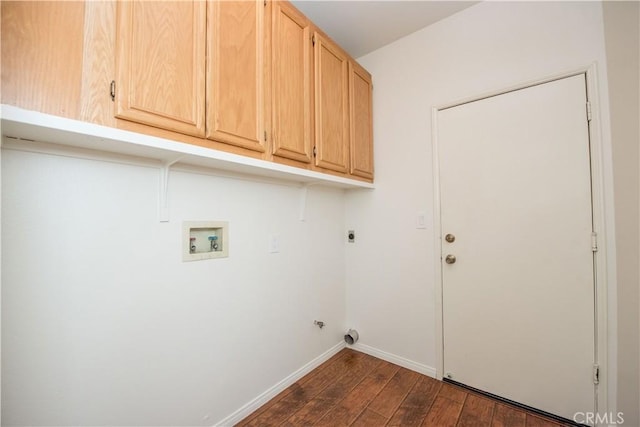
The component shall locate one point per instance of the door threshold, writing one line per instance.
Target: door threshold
(557, 418)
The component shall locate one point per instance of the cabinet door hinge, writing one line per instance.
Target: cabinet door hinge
(589, 114)
(594, 242)
(265, 3)
(265, 136)
(313, 40)
(596, 374)
(113, 90)
(314, 151)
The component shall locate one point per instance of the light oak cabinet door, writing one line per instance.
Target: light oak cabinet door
(291, 83)
(41, 56)
(331, 105)
(160, 54)
(235, 73)
(360, 109)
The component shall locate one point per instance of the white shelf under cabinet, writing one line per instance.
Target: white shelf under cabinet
(26, 126)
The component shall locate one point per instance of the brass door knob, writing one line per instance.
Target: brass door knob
(450, 259)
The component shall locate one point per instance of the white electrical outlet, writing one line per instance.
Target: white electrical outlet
(274, 244)
(421, 221)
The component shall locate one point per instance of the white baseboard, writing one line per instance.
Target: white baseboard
(397, 360)
(272, 392)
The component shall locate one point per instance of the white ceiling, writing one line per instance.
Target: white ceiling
(362, 26)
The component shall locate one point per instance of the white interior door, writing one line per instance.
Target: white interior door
(518, 303)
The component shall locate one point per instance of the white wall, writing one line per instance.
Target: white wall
(622, 36)
(102, 322)
(490, 46)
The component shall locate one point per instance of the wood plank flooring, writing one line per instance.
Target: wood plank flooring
(355, 389)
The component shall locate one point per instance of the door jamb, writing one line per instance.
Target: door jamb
(602, 402)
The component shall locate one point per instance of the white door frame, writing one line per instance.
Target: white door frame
(601, 276)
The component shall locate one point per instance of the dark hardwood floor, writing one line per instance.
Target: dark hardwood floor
(355, 389)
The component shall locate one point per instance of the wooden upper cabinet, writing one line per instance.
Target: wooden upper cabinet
(247, 76)
(331, 105)
(235, 73)
(160, 63)
(42, 49)
(291, 83)
(360, 106)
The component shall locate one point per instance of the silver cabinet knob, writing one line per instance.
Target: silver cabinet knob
(450, 238)
(450, 259)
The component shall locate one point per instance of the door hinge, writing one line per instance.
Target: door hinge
(313, 40)
(596, 374)
(594, 242)
(314, 151)
(113, 90)
(265, 136)
(589, 111)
